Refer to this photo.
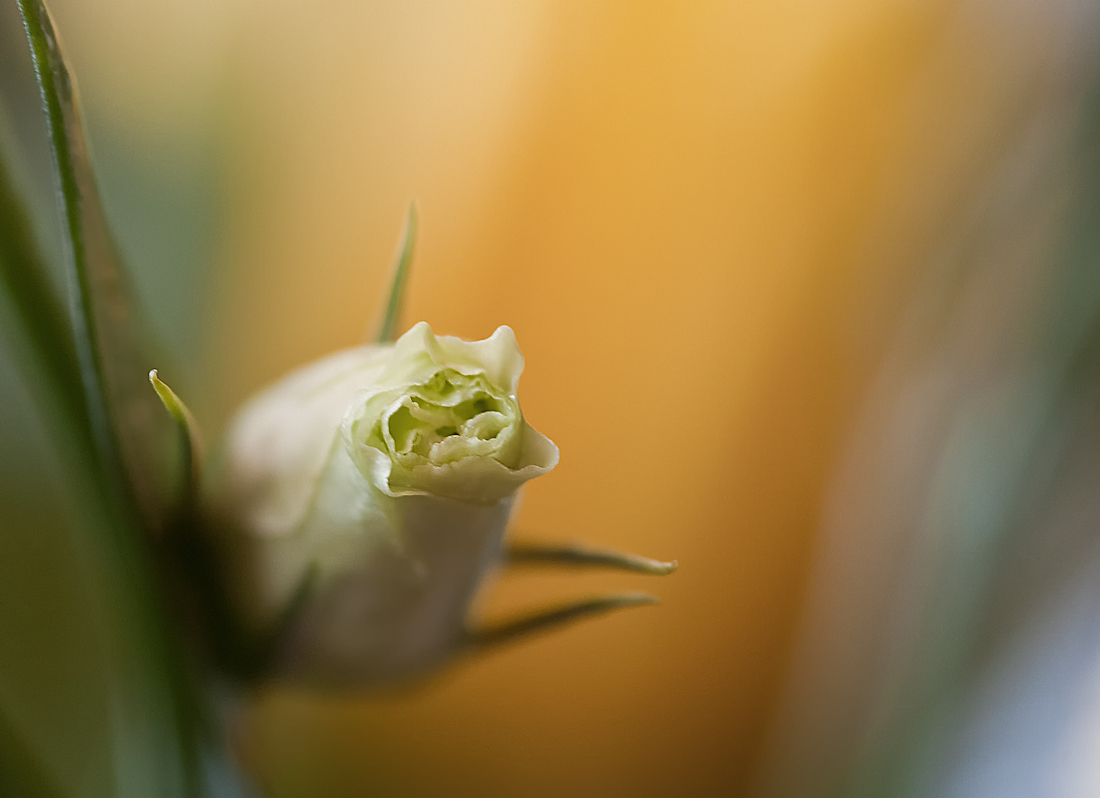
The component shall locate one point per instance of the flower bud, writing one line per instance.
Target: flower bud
(358, 503)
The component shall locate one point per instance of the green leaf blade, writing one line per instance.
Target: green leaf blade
(37, 310)
(159, 701)
(130, 431)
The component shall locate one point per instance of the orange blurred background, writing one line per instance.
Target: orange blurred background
(701, 219)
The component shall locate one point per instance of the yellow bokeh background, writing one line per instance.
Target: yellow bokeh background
(699, 218)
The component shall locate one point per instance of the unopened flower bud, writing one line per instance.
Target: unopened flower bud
(358, 503)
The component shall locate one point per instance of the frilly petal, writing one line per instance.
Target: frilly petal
(474, 480)
(419, 353)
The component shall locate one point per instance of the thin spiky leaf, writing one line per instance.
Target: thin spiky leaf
(577, 555)
(497, 634)
(391, 316)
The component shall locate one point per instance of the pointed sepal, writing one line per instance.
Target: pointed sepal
(497, 634)
(577, 555)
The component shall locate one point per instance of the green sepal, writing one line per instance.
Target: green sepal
(499, 633)
(582, 556)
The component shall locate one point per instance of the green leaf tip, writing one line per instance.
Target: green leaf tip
(391, 316)
(190, 443)
(503, 632)
(172, 403)
(579, 555)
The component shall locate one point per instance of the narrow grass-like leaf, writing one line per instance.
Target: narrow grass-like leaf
(110, 553)
(551, 618)
(130, 431)
(578, 555)
(190, 443)
(391, 316)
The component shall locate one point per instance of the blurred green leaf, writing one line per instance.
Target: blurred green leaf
(158, 729)
(131, 432)
(22, 773)
(23, 278)
(88, 675)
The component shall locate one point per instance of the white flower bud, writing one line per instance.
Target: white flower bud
(382, 477)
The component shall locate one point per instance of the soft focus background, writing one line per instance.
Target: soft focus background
(809, 296)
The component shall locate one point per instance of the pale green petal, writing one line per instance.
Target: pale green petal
(276, 447)
(538, 451)
(498, 356)
(448, 436)
(402, 609)
(419, 353)
(347, 521)
(476, 480)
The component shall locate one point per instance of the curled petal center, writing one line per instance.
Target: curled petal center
(447, 418)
